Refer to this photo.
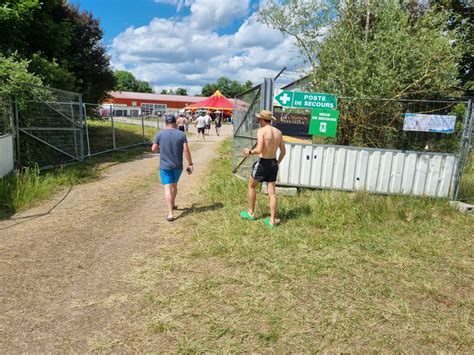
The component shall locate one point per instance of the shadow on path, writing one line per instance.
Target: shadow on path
(196, 208)
(30, 217)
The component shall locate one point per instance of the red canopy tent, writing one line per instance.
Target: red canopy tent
(215, 102)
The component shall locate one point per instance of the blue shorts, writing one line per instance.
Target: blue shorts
(170, 176)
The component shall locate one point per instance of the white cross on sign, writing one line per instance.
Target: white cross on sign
(285, 98)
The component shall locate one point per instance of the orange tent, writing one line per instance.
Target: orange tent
(215, 102)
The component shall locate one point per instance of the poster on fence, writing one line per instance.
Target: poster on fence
(429, 123)
(293, 124)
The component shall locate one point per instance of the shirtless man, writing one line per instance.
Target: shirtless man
(181, 122)
(269, 140)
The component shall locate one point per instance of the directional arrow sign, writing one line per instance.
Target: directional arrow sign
(301, 99)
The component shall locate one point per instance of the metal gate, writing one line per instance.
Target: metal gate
(50, 127)
(245, 125)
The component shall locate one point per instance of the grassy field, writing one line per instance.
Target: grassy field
(101, 138)
(32, 185)
(343, 272)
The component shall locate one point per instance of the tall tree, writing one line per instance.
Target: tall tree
(229, 88)
(305, 21)
(461, 18)
(181, 91)
(380, 49)
(62, 44)
(87, 57)
(126, 81)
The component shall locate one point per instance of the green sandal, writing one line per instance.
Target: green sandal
(247, 216)
(266, 221)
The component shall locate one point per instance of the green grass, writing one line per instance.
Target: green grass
(101, 138)
(466, 193)
(30, 186)
(344, 272)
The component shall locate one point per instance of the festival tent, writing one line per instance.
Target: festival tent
(215, 102)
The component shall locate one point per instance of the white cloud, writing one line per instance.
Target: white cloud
(186, 52)
(178, 3)
(211, 14)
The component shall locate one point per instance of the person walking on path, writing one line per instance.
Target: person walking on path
(218, 122)
(181, 122)
(265, 169)
(208, 123)
(172, 144)
(201, 127)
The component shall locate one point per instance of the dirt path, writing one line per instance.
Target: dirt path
(63, 275)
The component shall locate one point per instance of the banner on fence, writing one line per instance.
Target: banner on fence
(294, 124)
(429, 123)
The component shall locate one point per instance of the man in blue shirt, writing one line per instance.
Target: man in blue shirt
(172, 143)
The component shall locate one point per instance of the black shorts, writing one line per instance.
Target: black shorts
(201, 129)
(181, 128)
(208, 126)
(265, 170)
(218, 125)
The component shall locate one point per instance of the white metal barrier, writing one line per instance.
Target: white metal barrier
(374, 170)
(6, 155)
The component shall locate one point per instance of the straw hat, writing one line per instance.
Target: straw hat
(265, 115)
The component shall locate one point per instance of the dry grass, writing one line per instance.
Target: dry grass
(344, 272)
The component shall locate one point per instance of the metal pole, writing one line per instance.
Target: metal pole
(11, 122)
(82, 120)
(18, 155)
(464, 145)
(266, 102)
(143, 129)
(74, 132)
(113, 126)
(87, 131)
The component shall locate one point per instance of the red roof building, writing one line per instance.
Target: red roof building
(136, 102)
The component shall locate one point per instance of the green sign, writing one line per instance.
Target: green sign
(323, 122)
(299, 99)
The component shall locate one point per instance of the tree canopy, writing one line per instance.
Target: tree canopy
(61, 44)
(229, 88)
(461, 18)
(126, 81)
(178, 91)
(379, 49)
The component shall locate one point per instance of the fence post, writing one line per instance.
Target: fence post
(17, 131)
(113, 126)
(84, 107)
(464, 146)
(74, 130)
(266, 101)
(143, 129)
(81, 120)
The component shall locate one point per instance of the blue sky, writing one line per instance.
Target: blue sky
(188, 43)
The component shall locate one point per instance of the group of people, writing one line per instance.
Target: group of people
(203, 124)
(172, 144)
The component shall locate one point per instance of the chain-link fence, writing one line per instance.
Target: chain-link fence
(49, 126)
(5, 116)
(110, 127)
(382, 145)
(54, 127)
(381, 123)
(245, 129)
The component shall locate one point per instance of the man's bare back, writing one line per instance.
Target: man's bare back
(181, 121)
(272, 139)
